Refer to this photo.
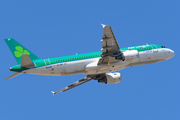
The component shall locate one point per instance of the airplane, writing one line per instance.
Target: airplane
(100, 66)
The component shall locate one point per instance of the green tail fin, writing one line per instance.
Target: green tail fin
(18, 50)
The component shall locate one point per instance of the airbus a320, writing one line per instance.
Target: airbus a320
(100, 66)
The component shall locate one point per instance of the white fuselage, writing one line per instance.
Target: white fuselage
(89, 66)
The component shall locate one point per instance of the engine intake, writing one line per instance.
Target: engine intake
(110, 78)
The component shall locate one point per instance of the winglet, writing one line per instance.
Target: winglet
(103, 25)
(53, 92)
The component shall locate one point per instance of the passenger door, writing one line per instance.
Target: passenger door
(154, 48)
(47, 63)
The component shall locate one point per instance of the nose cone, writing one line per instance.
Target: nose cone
(171, 53)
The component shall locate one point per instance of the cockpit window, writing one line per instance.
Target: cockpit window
(163, 46)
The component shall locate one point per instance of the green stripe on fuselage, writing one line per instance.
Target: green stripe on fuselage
(43, 62)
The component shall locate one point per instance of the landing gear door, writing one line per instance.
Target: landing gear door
(154, 48)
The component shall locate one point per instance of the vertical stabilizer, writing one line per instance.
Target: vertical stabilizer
(18, 50)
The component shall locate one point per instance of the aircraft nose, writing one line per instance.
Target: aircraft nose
(171, 53)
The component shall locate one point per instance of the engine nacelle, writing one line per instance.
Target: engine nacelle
(128, 55)
(110, 78)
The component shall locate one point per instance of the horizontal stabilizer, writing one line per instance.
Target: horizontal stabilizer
(13, 75)
(26, 61)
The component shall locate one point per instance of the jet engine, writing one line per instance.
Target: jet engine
(110, 78)
(128, 55)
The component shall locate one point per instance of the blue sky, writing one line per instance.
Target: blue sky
(63, 27)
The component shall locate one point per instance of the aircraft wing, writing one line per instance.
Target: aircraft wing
(77, 83)
(110, 46)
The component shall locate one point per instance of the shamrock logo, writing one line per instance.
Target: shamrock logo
(20, 51)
